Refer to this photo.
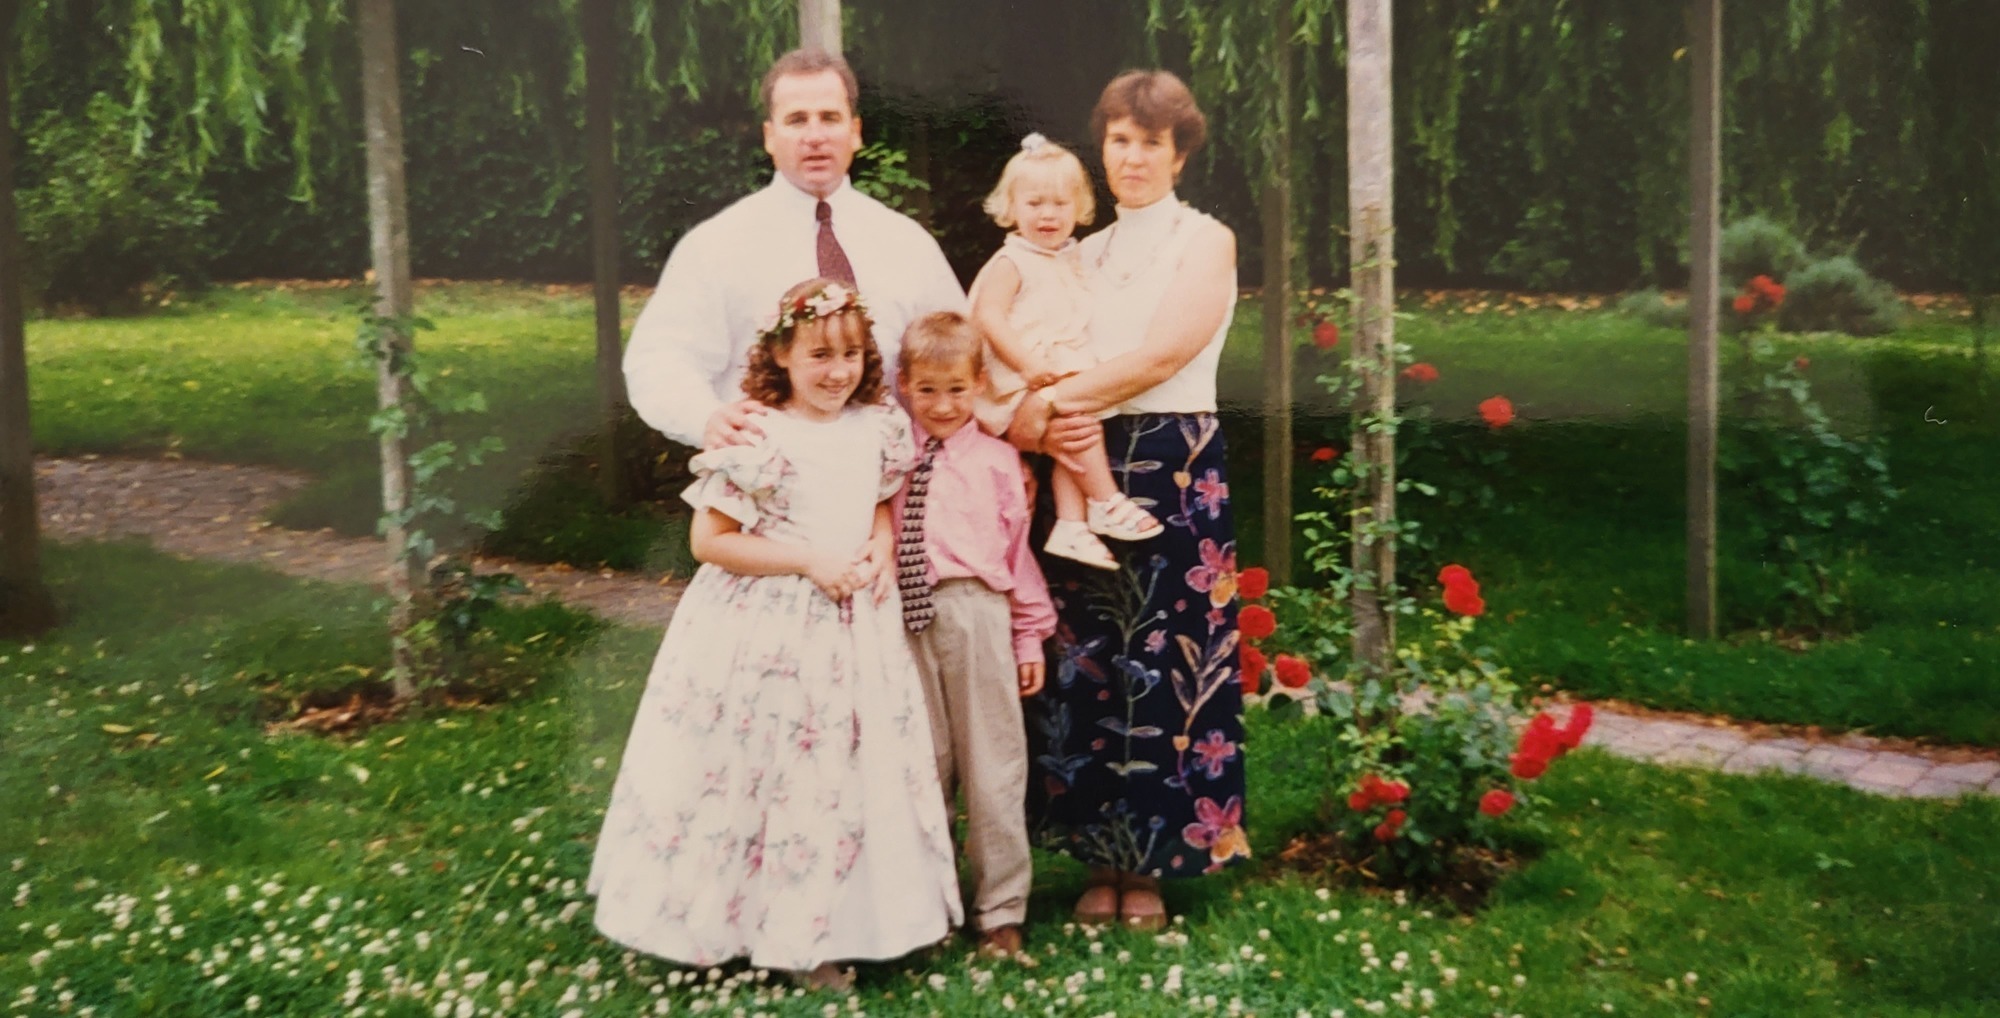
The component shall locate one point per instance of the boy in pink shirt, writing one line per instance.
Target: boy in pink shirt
(977, 607)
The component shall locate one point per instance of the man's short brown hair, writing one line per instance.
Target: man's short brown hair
(806, 62)
(1156, 100)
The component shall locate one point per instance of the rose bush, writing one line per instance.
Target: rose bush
(1425, 759)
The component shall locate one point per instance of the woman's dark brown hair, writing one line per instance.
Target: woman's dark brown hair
(768, 383)
(1156, 101)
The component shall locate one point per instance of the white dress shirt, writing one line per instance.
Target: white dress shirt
(692, 340)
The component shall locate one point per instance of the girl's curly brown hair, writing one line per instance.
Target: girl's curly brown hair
(769, 384)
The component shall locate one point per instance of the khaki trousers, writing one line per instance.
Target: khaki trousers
(966, 658)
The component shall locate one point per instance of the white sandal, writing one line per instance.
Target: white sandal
(1121, 519)
(1072, 540)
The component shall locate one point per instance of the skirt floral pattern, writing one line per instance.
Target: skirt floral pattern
(1137, 740)
(777, 799)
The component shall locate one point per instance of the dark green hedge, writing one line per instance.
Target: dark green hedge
(1543, 142)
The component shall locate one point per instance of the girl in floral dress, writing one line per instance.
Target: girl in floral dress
(777, 800)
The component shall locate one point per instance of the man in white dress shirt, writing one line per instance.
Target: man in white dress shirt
(685, 362)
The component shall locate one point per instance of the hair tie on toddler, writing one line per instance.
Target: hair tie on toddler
(1033, 141)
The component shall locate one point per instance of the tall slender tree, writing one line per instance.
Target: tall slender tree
(26, 607)
(1371, 216)
(819, 25)
(395, 308)
(1277, 217)
(1704, 233)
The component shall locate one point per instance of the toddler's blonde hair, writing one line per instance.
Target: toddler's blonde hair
(1040, 155)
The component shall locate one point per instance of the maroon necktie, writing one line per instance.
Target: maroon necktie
(833, 263)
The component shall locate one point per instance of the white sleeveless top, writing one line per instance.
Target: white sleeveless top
(1130, 268)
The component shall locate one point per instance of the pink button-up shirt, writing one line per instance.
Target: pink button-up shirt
(976, 527)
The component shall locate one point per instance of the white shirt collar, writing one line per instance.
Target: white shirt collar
(1154, 216)
(796, 197)
(1020, 243)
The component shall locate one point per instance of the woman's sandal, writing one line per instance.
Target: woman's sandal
(1098, 905)
(1121, 519)
(1139, 904)
(1074, 541)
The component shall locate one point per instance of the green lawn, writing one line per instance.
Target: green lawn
(1581, 556)
(166, 855)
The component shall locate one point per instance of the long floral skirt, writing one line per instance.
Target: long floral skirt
(778, 798)
(1137, 740)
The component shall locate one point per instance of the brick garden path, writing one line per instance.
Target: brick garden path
(217, 511)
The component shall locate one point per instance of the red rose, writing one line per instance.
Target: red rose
(1253, 583)
(1744, 303)
(1395, 791)
(1527, 767)
(1577, 727)
(1396, 818)
(1359, 801)
(1498, 411)
(1496, 802)
(1251, 660)
(1768, 288)
(1540, 738)
(1802, 363)
(1256, 621)
(1325, 335)
(1421, 372)
(1323, 454)
(1776, 294)
(1385, 833)
(1457, 575)
(1251, 681)
(1292, 672)
(1464, 599)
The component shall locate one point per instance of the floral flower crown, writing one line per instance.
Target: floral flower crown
(829, 300)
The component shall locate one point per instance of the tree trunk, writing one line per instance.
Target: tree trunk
(1371, 216)
(600, 70)
(819, 25)
(1704, 184)
(25, 605)
(389, 235)
(1277, 214)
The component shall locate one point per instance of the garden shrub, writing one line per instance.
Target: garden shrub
(1652, 307)
(1758, 246)
(1425, 755)
(1837, 295)
(1798, 493)
(105, 219)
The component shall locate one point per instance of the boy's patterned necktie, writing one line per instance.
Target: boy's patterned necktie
(912, 565)
(833, 263)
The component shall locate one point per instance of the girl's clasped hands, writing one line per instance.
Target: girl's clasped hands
(840, 578)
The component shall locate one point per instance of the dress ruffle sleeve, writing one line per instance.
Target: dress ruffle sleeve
(733, 479)
(899, 447)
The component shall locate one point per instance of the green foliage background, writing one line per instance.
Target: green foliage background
(1542, 142)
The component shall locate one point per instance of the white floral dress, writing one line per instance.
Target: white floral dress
(777, 799)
